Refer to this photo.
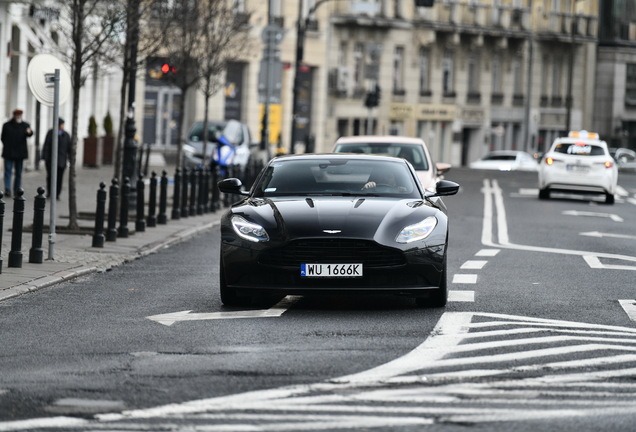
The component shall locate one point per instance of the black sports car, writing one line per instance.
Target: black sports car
(335, 223)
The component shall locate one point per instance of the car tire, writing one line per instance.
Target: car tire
(609, 198)
(228, 295)
(544, 193)
(437, 297)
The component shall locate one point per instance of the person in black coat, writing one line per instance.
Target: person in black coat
(14, 149)
(63, 154)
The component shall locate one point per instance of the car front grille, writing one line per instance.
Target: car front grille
(297, 252)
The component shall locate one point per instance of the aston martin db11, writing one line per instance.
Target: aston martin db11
(335, 223)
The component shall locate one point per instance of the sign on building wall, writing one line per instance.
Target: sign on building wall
(234, 91)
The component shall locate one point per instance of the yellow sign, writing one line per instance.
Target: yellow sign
(275, 122)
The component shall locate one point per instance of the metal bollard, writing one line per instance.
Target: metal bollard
(140, 222)
(162, 219)
(215, 190)
(194, 176)
(151, 221)
(185, 179)
(15, 255)
(123, 209)
(200, 189)
(36, 253)
(176, 195)
(98, 234)
(111, 232)
(1, 226)
(206, 190)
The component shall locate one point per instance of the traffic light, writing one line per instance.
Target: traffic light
(373, 97)
(168, 68)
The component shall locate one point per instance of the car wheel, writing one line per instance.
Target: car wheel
(609, 198)
(439, 296)
(228, 295)
(544, 193)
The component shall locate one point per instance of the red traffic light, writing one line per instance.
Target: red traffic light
(165, 68)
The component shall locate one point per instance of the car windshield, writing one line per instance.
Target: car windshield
(579, 149)
(337, 177)
(411, 152)
(214, 129)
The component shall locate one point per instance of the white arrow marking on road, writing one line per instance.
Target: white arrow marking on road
(629, 306)
(613, 217)
(275, 311)
(600, 234)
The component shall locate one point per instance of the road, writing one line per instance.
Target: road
(539, 335)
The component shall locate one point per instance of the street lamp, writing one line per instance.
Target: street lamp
(301, 29)
(130, 143)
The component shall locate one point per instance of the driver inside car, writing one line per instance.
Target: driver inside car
(385, 178)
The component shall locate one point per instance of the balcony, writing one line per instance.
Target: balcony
(477, 15)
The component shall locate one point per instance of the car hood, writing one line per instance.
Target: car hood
(380, 219)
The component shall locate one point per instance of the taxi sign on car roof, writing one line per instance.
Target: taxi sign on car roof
(583, 135)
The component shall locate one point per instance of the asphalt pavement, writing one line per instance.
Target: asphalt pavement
(69, 255)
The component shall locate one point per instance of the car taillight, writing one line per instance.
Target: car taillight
(549, 161)
(609, 164)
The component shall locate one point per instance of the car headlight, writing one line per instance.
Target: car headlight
(248, 230)
(418, 231)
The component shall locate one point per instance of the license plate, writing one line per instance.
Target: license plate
(578, 168)
(331, 270)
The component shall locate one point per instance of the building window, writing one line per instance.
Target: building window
(473, 73)
(425, 74)
(556, 77)
(545, 76)
(398, 70)
(342, 54)
(517, 76)
(448, 74)
(630, 85)
(497, 81)
(358, 65)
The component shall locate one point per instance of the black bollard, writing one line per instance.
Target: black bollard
(1, 226)
(98, 234)
(194, 177)
(140, 222)
(200, 191)
(111, 232)
(15, 255)
(185, 180)
(123, 209)
(162, 219)
(176, 195)
(151, 221)
(206, 190)
(36, 253)
(215, 190)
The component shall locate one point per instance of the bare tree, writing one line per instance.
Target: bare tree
(225, 38)
(91, 24)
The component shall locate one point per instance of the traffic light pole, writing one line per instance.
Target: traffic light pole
(129, 164)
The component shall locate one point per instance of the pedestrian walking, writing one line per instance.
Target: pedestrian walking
(14, 150)
(63, 152)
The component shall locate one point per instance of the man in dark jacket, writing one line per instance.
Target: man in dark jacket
(14, 149)
(63, 153)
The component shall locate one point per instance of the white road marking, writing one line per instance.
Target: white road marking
(601, 235)
(275, 311)
(488, 252)
(615, 218)
(596, 263)
(629, 306)
(461, 296)
(492, 193)
(465, 278)
(440, 381)
(473, 265)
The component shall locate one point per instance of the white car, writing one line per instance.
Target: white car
(506, 160)
(579, 163)
(413, 150)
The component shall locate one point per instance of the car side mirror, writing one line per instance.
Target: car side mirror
(446, 188)
(232, 186)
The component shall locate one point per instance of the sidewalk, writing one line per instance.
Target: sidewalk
(73, 254)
